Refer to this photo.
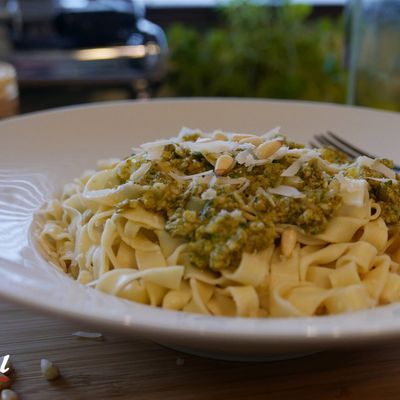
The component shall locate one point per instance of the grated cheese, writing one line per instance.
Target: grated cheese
(295, 167)
(213, 146)
(377, 166)
(140, 172)
(209, 194)
(261, 192)
(353, 191)
(189, 177)
(272, 133)
(286, 191)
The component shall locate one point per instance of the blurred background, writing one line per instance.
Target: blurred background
(62, 52)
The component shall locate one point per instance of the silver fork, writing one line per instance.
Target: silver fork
(333, 140)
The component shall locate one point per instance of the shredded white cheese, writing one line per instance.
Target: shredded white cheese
(213, 146)
(247, 158)
(353, 191)
(188, 131)
(189, 177)
(271, 133)
(213, 181)
(140, 172)
(384, 180)
(155, 153)
(203, 139)
(286, 191)
(209, 194)
(232, 181)
(137, 150)
(365, 161)
(108, 163)
(241, 157)
(281, 152)
(243, 187)
(261, 192)
(156, 143)
(155, 149)
(295, 167)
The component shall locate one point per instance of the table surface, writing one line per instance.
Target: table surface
(134, 368)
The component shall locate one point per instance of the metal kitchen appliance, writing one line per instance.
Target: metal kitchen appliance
(85, 42)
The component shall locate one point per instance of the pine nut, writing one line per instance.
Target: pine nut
(266, 149)
(219, 136)
(49, 370)
(256, 140)
(224, 164)
(288, 241)
(237, 137)
(8, 394)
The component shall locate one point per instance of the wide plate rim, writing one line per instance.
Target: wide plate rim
(265, 333)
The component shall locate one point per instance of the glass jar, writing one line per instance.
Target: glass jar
(375, 54)
(8, 91)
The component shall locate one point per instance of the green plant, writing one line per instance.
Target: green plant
(259, 51)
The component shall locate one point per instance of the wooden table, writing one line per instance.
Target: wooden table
(133, 368)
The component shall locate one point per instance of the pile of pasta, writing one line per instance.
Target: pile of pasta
(352, 265)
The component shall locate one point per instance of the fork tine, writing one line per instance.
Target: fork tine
(331, 139)
(321, 139)
(313, 145)
(350, 146)
(326, 141)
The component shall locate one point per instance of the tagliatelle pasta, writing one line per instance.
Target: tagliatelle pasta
(231, 224)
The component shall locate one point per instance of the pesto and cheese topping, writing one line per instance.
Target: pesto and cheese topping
(226, 193)
(202, 221)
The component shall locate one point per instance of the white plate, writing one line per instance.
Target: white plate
(40, 152)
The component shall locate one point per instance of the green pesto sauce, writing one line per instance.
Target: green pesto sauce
(220, 229)
(386, 194)
(333, 155)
